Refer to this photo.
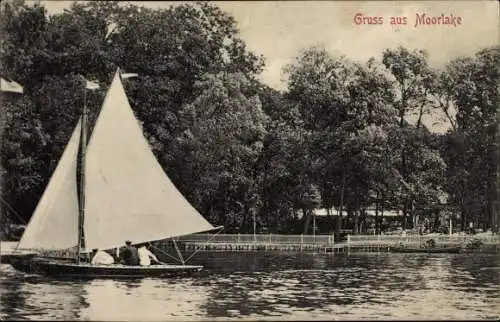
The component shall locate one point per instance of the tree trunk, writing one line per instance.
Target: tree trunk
(358, 210)
(492, 195)
(377, 226)
(463, 218)
(363, 221)
(356, 223)
(381, 212)
(307, 222)
(411, 214)
(314, 223)
(403, 156)
(329, 219)
(405, 209)
(342, 188)
(421, 113)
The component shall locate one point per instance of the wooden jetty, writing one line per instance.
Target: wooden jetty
(7, 247)
(268, 242)
(385, 242)
(250, 247)
(308, 243)
(321, 243)
(8, 252)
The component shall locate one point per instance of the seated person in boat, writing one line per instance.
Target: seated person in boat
(146, 257)
(100, 257)
(129, 254)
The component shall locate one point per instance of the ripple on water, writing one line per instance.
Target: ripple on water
(387, 286)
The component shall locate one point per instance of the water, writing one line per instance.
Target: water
(260, 286)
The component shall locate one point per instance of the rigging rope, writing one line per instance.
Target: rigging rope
(12, 210)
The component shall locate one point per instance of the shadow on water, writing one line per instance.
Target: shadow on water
(279, 284)
(12, 299)
(471, 272)
(34, 297)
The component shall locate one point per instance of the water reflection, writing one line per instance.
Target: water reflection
(11, 300)
(146, 299)
(36, 297)
(271, 286)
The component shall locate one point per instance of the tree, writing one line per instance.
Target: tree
(471, 147)
(172, 50)
(284, 163)
(318, 82)
(343, 134)
(216, 154)
(413, 86)
(348, 109)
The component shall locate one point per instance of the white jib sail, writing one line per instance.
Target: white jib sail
(128, 195)
(54, 224)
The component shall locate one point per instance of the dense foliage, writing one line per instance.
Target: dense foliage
(338, 137)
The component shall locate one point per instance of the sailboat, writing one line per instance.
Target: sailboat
(124, 195)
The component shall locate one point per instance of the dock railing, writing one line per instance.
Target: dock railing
(326, 240)
(418, 239)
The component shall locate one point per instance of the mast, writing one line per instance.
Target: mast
(83, 146)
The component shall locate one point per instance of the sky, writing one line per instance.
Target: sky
(280, 29)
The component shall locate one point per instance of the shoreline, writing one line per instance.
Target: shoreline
(355, 244)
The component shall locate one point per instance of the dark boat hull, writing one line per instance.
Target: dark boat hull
(426, 250)
(65, 268)
(10, 258)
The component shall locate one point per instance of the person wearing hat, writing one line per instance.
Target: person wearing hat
(129, 254)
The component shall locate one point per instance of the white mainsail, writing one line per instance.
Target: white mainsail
(128, 195)
(54, 224)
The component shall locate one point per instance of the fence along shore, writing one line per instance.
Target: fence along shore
(304, 243)
(324, 243)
